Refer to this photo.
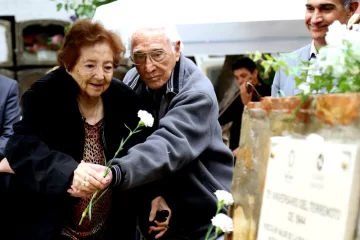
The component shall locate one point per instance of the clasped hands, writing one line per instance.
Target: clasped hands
(88, 178)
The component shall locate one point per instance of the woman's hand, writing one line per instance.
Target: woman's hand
(86, 181)
(158, 204)
(88, 178)
(5, 167)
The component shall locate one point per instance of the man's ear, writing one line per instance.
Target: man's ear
(177, 50)
(353, 7)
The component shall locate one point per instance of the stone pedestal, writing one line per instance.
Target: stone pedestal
(333, 117)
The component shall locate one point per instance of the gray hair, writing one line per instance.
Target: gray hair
(346, 3)
(169, 30)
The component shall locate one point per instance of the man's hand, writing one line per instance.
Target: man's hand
(158, 204)
(236, 151)
(88, 178)
(245, 96)
(5, 167)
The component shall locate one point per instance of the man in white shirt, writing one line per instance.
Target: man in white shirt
(319, 15)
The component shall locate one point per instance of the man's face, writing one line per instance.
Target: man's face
(243, 75)
(154, 57)
(321, 13)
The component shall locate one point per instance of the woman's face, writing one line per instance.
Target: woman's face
(94, 69)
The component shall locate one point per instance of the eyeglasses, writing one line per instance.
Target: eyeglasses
(140, 58)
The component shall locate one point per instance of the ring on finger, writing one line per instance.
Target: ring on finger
(84, 183)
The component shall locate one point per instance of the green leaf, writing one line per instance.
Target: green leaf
(138, 131)
(251, 56)
(282, 63)
(298, 80)
(66, 6)
(84, 10)
(257, 56)
(66, 28)
(127, 128)
(268, 57)
(287, 71)
(59, 6)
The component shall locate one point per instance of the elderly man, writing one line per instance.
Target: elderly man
(185, 154)
(319, 15)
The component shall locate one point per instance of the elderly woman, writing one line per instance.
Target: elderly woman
(73, 118)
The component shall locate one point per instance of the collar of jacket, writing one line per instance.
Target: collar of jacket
(67, 81)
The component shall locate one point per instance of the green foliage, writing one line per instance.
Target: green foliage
(267, 75)
(84, 9)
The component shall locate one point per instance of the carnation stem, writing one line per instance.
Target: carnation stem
(92, 203)
(219, 207)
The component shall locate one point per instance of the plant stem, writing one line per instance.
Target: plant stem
(92, 202)
(209, 232)
(219, 207)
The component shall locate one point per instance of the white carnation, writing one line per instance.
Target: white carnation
(146, 118)
(305, 87)
(223, 222)
(224, 196)
(336, 33)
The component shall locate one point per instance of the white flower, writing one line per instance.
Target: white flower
(225, 196)
(332, 60)
(223, 222)
(336, 33)
(304, 87)
(146, 118)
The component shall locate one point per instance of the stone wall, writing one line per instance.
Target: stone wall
(334, 117)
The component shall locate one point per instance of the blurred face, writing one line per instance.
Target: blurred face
(94, 69)
(154, 57)
(321, 13)
(243, 75)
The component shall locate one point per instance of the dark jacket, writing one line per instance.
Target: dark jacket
(47, 147)
(185, 154)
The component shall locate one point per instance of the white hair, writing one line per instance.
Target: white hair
(169, 30)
